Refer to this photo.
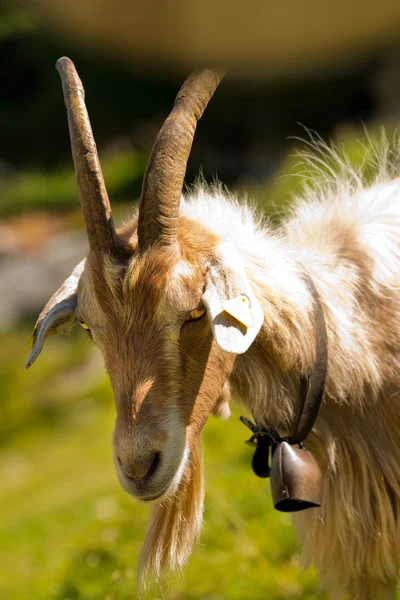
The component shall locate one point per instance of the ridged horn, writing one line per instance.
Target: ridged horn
(165, 173)
(92, 191)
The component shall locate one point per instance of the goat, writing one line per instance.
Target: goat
(152, 295)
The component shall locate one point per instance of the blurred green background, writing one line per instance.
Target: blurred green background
(67, 530)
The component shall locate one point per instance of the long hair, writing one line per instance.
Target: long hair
(175, 524)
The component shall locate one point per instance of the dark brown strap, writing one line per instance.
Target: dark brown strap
(316, 379)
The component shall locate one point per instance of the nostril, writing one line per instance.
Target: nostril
(154, 465)
(142, 467)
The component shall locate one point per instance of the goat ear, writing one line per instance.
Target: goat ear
(58, 315)
(233, 309)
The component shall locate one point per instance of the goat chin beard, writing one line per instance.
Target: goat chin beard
(175, 521)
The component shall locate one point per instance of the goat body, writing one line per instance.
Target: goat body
(349, 243)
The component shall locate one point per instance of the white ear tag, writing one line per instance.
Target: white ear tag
(239, 309)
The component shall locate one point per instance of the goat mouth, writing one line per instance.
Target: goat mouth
(154, 496)
(145, 479)
(142, 492)
(162, 478)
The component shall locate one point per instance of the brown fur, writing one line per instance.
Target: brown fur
(169, 374)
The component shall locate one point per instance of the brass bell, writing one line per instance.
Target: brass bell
(296, 481)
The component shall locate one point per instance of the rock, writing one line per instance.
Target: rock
(27, 280)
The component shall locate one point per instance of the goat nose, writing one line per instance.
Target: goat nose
(140, 467)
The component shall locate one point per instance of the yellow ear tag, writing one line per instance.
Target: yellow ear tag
(239, 309)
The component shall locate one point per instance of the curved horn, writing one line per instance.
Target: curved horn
(92, 192)
(164, 176)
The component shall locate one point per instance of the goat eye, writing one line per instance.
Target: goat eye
(82, 324)
(196, 314)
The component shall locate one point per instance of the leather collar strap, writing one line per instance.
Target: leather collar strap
(313, 386)
(317, 376)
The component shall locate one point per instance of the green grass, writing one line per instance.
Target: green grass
(69, 531)
(57, 190)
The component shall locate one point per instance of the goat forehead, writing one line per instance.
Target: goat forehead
(137, 351)
(149, 291)
(163, 284)
(149, 272)
(184, 287)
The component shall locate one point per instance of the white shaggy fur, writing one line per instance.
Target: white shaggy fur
(345, 231)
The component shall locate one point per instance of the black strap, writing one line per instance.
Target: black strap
(317, 376)
(313, 386)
